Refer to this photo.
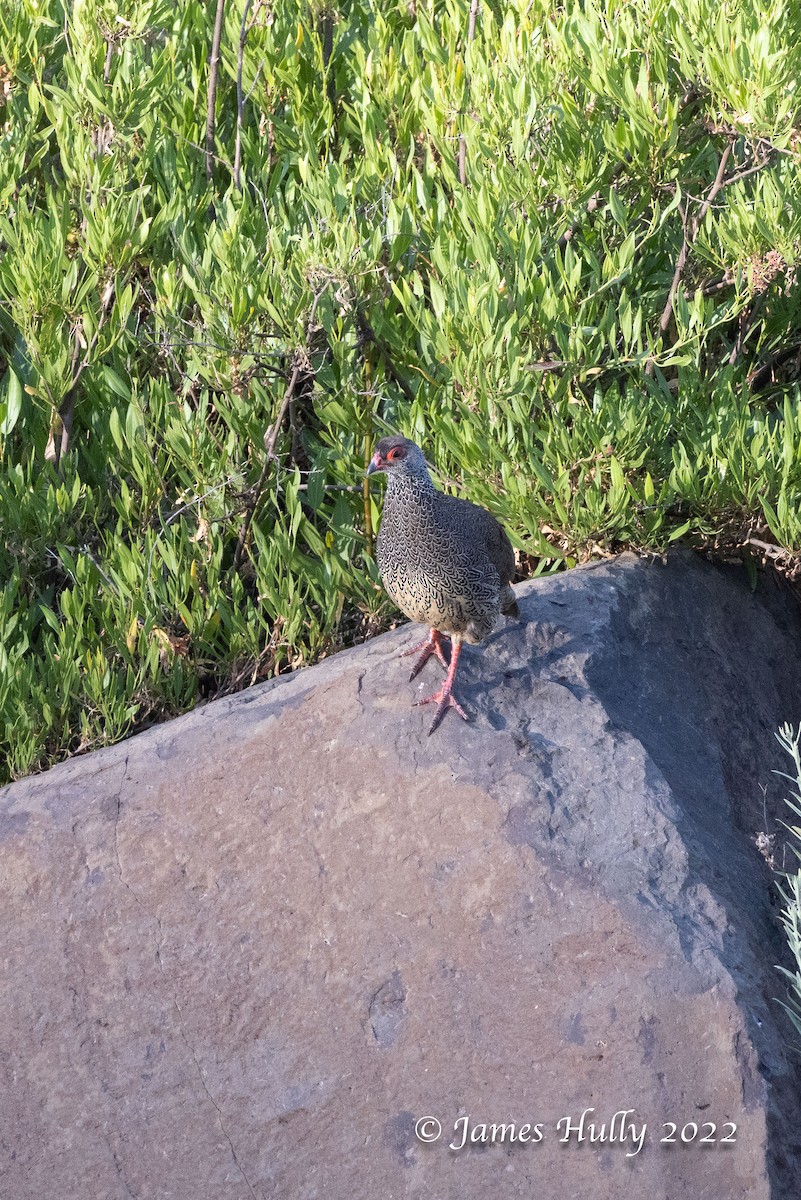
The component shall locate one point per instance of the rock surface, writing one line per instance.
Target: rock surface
(246, 951)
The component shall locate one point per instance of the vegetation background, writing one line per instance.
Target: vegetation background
(556, 243)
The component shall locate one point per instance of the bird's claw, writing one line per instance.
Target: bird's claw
(444, 699)
(430, 645)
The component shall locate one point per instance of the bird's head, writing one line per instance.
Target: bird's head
(398, 456)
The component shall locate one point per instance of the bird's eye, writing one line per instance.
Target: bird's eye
(395, 454)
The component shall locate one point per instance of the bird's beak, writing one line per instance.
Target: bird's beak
(375, 465)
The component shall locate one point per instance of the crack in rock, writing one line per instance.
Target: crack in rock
(190, 1048)
(387, 1010)
(181, 1028)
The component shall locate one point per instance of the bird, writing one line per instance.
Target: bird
(445, 562)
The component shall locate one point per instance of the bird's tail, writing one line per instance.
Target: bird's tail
(509, 606)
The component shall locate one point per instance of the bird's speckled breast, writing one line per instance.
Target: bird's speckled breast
(433, 562)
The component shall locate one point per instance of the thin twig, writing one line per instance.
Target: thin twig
(544, 366)
(214, 65)
(719, 285)
(471, 32)
(176, 513)
(667, 311)
(163, 344)
(87, 550)
(294, 426)
(240, 100)
(300, 364)
(575, 225)
(368, 523)
(758, 378)
(760, 166)
(711, 288)
(744, 326)
(689, 236)
(220, 158)
(590, 207)
(368, 334)
(61, 428)
(269, 447)
(713, 191)
(471, 24)
(334, 487)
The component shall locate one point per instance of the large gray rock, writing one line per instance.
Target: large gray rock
(244, 952)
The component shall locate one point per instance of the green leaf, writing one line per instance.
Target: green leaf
(13, 405)
(116, 383)
(680, 532)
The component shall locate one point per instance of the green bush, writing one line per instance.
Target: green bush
(472, 239)
(790, 740)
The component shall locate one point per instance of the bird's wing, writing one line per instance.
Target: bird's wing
(487, 530)
(500, 550)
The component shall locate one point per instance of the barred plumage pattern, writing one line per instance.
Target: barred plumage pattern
(445, 562)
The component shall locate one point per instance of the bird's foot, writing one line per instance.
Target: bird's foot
(444, 699)
(430, 645)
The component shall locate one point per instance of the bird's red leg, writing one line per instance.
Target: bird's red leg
(430, 645)
(443, 698)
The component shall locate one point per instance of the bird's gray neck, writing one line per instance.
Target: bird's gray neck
(409, 486)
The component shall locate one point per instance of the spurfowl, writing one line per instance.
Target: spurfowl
(445, 562)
